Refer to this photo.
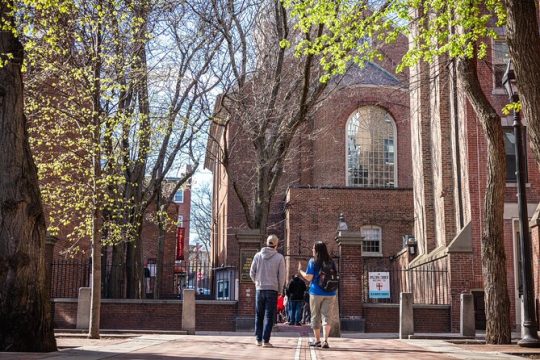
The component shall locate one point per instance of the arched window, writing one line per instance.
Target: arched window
(372, 240)
(371, 157)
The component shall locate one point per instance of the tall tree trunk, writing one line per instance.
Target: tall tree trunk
(95, 298)
(135, 270)
(118, 272)
(130, 276)
(161, 247)
(497, 302)
(524, 45)
(25, 312)
(134, 265)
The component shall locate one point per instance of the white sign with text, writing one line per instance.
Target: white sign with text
(379, 285)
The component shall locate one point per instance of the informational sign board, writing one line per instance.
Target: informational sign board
(379, 285)
(246, 258)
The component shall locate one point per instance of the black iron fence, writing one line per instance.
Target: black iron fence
(209, 283)
(384, 279)
(68, 276)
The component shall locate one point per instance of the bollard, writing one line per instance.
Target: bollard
(83, 308)
(466, 323)
(406, 318)
(188, 311)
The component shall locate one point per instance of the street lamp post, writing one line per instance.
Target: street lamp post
(530, 326)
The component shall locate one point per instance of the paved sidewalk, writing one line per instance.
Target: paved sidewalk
(287, 345)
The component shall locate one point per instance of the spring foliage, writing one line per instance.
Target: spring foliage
(454, 28)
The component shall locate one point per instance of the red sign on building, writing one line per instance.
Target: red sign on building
(180, 236)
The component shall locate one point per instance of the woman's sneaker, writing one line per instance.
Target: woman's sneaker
(325, 345)
(258, 343)
(315, 343)
(267, 344)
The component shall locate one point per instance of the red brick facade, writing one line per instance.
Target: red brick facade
(427, 318)
(66, 274)
(314, 192)
(441, 156)
(452, 183)
(150, 315)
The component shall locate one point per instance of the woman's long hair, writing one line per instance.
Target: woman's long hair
(321, 254)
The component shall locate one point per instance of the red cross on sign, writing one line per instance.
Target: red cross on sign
(379, 286)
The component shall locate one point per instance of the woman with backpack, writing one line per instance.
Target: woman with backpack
(322, 273)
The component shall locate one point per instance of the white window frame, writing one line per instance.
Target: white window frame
(371, 253)
(179, 199)
(388, 118)
(498, 60)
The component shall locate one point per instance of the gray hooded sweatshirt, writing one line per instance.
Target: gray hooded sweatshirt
(268, 270)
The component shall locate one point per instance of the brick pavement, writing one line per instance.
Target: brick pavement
(239, 346)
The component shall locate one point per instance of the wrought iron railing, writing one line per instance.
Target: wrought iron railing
(209, 283)
(68, 276)
(428, 283)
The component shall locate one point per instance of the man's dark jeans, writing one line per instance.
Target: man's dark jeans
(296, 311)
(265, 311)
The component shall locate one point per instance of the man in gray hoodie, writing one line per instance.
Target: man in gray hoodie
(268, 273)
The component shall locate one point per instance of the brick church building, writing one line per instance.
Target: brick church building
(404, 160)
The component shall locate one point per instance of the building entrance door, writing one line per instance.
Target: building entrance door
(479, 310)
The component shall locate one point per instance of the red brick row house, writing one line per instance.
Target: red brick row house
(71, 270)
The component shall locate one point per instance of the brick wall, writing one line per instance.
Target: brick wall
(478, 172)
(427, 318)
(317, 158)
(462, 274)
(213, 317)
(313, 216)
(220, 316)
(350, 279)
(435, 148)
(330, 128)
(150, 314)
(431, 319)
(65, 313)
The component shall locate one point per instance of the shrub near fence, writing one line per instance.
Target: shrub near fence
(428, 282)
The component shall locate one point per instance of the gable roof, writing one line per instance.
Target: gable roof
(370, 74)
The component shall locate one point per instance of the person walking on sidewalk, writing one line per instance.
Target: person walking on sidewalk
(320, 301)
(295, 292)
(268, 273)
